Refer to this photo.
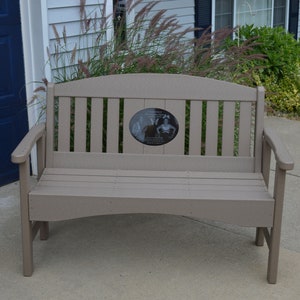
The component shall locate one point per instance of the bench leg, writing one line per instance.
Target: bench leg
(274, 247)
(27, 249)
(26, 224)
(260, 238)
(29, 231)
(44, 231)
(273, 256)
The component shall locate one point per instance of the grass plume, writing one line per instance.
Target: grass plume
(153, 42)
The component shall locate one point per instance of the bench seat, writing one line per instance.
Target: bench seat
(224, 196)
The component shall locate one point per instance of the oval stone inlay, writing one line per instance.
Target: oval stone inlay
(153, 126)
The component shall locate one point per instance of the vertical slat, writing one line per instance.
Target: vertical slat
(96, 125)
(50, 125)
(130, 144)
(212, 120)
(177, 108)
(149, 103)
(80, 125)
(64, 110)
(113, 112)
(245, 129)
(195, 137)
(259, 126)
(228, 128)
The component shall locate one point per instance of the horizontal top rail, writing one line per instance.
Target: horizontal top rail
(156, 86)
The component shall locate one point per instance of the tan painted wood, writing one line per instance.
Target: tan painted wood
(80, 124)
(177, 108)
(227, 191)
(23, 150)
(112, 138)
(227, 188)
(195, 128)
(50, 124)
(259, 127)
(245, 128)
(64, 113)
(155, 174)
(223, 188)
(152, 162)
(212, 126)
(96, 125)
(156, 86)
(228, 128)
(131, 107)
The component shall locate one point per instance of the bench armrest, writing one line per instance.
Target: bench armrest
(282, 156)
(22, 152)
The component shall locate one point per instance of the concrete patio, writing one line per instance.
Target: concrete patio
(153, 256)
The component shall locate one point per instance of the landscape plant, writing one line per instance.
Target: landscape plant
(280, 70)
(154, 42)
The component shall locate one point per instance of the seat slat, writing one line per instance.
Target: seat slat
(151, 191)
(153, 174)
(160, 181)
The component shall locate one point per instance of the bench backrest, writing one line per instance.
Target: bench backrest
(92, 118)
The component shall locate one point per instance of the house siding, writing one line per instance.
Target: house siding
(65, 16)
(183, 10)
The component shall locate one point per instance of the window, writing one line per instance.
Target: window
(120, 21)
(254, 12)
(279, 13)
(224, 13)
(230, 13)
(203, 15)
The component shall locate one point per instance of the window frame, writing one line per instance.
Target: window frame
(235, 17)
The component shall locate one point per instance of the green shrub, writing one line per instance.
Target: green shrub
(281, 50)
(282, 96)
(279, 71)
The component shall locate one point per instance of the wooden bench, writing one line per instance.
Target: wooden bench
(153, 143)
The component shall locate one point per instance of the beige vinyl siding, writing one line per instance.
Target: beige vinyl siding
(183, 10)
(65, 15)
